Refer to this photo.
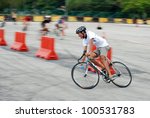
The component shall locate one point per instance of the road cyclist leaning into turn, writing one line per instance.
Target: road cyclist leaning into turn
(89, 39)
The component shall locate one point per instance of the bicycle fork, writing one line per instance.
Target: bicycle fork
(86, 70)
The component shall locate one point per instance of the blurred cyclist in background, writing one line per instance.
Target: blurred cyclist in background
(61, 26)
(45, 29)
(26, 21)
(4, 21)
(14, 16)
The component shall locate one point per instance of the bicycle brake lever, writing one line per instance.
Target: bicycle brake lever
(81, 57)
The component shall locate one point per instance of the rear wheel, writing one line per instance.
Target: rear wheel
(84, 78)
(121, 74)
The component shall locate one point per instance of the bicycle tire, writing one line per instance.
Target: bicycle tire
(123, 76)
(78, 76)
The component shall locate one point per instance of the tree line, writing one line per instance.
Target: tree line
(108, 8)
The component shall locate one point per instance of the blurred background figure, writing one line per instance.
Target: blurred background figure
(44, 24)
(26, 21)
(3, 21)
(14, 16)
(61, 26)
(135, 21)
(99, 27)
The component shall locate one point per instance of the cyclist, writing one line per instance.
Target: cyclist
(88, 39)
(44, 30)
(3, 21)
(60, 25)
(14, 17)
(26, 21)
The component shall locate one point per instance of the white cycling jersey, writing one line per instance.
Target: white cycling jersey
(97, 40)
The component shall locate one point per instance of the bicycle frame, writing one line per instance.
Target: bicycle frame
(95, 66)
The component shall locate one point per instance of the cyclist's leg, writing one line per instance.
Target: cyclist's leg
(24, 25)
(63, 30)
(44, 31)
(63, 33)
(105, 63)
(103, 54)
(94, 55)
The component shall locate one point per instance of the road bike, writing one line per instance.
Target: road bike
(83, 77)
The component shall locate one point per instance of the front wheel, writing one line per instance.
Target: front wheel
(84, 78)
(122, 75)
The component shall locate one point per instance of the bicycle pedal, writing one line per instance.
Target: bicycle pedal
(107, 80)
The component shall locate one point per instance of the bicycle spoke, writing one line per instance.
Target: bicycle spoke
(84, 78)
(122, 76)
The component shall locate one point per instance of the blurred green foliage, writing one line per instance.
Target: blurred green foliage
(95, 8)
(110, 8)
(32, 6)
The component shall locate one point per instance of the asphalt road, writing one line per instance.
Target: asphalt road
(26, 77)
